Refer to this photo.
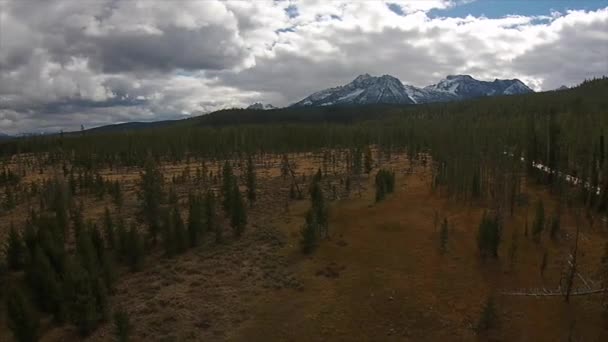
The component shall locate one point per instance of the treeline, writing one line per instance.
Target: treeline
(398, 126)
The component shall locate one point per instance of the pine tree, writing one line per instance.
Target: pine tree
(104, 259)
(555, 225)
(122, 325)
(489, 316)
(444, 235)
(108, 226)
(122, 237)
(135, 253)
(83, 307)
(539, 221)
(319, 207)
(168, 232)
(195, 220)
(9, 198)
(251, 181)
(15, 252)
(543, 264)
(23, 320)
(385, 184)
(368, 160)
(210, 217)
(227, 187)
(357, 161)
(117, 195)
(151, 196)
(489, 235)
(179, 229)
(78, 218)
(238, 213)
(292, 192)
(310, 231)
(44, 283)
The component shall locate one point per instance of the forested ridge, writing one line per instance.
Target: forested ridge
(562, 127)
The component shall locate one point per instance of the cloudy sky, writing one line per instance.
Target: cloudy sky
(95, 62)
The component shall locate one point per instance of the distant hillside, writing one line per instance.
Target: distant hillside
(590, 93)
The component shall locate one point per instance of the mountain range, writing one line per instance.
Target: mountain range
(366, 89)
(261, 106)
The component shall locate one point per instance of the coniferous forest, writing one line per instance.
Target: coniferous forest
(482, 218)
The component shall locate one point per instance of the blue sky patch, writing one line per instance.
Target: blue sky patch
(395, 8)
(501, 8)
(292, 11)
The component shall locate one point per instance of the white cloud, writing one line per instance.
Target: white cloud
(64, 63)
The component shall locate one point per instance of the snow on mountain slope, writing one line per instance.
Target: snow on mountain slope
(366, 89)
(261, 106)
(466, 87)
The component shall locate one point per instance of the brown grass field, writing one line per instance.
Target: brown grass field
(379, 277)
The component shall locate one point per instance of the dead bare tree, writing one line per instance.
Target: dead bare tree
(571, 264)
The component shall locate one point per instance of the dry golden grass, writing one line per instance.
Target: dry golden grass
(380, 276)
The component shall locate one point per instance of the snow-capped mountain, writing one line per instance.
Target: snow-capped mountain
(261, 106)
(466, 87)
(366, 89)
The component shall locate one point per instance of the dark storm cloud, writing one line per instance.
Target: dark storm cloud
(114, 41)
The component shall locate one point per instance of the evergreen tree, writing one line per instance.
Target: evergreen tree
(104, 260)
(15, 252)
(23, 320)
(368, 160)
(179, 229)
(319, 207)
(195, 220)
(489, 235)
(489, 317)
(78, 218)
(122, 325)
(543, 264)
(117, 195)
(292, 192)
(108, 226)
(227, 187)
(238, 213)
(251, 181)
(122, 239)
(151, 196)
(444, 235)
(539, 221)
(135, 249)
(308, 241)
(210, 217)
(168, 231)
(44, 283)
(385, 184)
(357, 161)
(9, 198)
(84, 309)
(555, 225)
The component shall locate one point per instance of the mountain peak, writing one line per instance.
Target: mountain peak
(362, 77)
(260, 106)
(459, 77)
(366, 89)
